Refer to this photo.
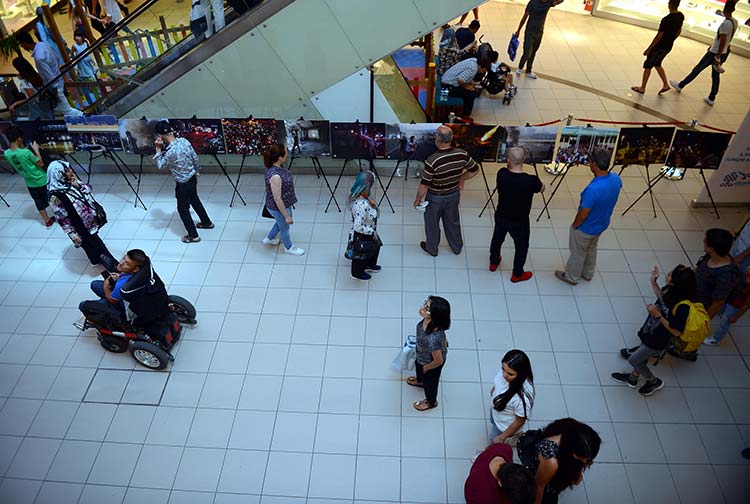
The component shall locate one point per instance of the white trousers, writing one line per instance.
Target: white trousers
(217, 20)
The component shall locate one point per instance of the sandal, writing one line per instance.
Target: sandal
(412, 380)
(424, 405)
(637, 90)
(664, 90)
(200, 225)
(188, 239)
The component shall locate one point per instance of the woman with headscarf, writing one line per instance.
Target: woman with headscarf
(364, 237)
(77, 212)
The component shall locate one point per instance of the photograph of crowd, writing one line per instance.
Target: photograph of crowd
(358, 140)
(52, 136)
(698, 149)
(576, 142)
(138, 135)
(94, 132)
(481, 142)
(205, 135)
(538, 142)
(415, 142)
(307, 138)
(643, 146)
(251, 137)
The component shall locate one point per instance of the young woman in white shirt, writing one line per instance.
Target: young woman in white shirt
(512, 397)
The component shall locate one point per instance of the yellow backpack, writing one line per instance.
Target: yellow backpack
(697, 327)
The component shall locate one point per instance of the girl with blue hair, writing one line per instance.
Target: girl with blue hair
(365, 243)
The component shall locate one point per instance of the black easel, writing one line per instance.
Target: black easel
(235, 191)
(98, 152)
(494, 191)
(662, 174)
(383, 187)
(564, 172)
(4, 201)
(487, 186)
(336, 186)
(648, 188)
(138, 183)
(393, 175)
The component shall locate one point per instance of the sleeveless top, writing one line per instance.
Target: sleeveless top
(287, 187)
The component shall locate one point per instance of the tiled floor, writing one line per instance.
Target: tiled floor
(283, 394)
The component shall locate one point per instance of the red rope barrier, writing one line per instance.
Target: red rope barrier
(636, 123)
(717, 129)
(548, 123)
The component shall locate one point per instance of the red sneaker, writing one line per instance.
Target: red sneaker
(493, 267)
(50, 222)
(522, 277)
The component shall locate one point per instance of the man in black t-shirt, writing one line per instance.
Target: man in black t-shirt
(669, 29)
(466, 36)
(515, 191)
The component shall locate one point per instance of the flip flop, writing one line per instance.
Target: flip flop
(200, 225)
(412, 380)
(424, 406)
(637, 90)
(188, 239)
(664, 90)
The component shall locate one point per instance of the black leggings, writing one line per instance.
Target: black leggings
(95, 248)
(430, 381)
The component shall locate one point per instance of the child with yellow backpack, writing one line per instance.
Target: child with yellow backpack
(673, 320)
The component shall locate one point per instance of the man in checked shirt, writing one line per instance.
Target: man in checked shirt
(461, 80)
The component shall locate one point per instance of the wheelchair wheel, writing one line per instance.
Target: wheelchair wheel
(183, 309)
(149, 355)
(113, 343)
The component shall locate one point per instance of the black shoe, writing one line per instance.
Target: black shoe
(374, 269)
(424, 247)
(626, 378)
(651, 386)
(625, 353)
(363, 276)
(200, 225)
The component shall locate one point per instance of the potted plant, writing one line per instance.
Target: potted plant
(9, 47)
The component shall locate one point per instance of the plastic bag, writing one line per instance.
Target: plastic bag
(512, 47)
(406, 357)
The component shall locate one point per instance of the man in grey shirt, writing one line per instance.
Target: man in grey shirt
(183, 162)
(536, 14)
(460, 81)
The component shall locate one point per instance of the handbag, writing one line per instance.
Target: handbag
(349, 252)
(364, 249)
(513, 47)
(198, 22)
(406, 357)
(266, 213)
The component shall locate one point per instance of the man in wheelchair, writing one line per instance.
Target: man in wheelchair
(132, 295)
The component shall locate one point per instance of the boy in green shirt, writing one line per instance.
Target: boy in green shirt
(29, 165)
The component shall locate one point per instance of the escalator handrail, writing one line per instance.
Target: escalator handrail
(66, 67)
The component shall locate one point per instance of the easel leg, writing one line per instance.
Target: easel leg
(335, 187)
(710, 196)
(231, 182)
(488, 202)
(239, 174)
(390, 180)
(544, 199)
(138, 184)
(564, 171)
(650, 192)
(651, 183)
(487, 186)
(319, 168)
(380, 181)
(4, 201)
(119, 163)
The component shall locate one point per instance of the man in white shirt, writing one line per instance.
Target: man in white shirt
(46, 64)
(460, 81)
(716, 55)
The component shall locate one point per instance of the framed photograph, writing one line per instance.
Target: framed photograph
(52, 136)
(538, 142)
(251, 137)
(358, 140)
(138, 135)
(415, 142)
(93, 132)
(577, 142)
(307, 138)
(643, 146)
(481, 142)
(698, 149)
(205, 135)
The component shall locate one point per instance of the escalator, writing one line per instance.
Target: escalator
(268, 62)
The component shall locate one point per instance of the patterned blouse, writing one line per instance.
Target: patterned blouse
(181, 159)
(364, 217)
(82, 201)
(287, 187)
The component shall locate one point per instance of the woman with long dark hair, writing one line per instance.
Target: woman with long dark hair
(279, 198)
(75, 209)
(666, 320)
(431, 350)
(558, 455)
(512, 397)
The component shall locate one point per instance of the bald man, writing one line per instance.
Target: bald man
(442, 176)
(515, 191)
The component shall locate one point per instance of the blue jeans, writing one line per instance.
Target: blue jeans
(280, 227)
(726, 313)
(97, 287)
(494, 431)
(706, 61)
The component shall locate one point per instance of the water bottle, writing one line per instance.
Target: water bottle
(443, 95)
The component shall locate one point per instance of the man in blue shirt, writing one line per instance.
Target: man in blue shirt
(110, 298)
(598, 200)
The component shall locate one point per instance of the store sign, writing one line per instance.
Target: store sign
(730, 184)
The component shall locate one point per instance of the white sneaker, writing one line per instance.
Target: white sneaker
(531, 75)
(710, 341)
(708, 101)
(518, 71)
(675, 85)
(398, 172)
(268, 241)
(295, 251)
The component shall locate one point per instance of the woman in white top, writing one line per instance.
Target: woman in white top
(512, 397)
(364, 238)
